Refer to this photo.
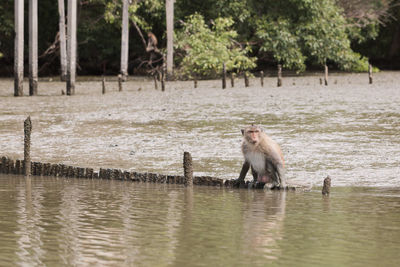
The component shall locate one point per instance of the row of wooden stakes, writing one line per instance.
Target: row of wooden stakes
(17, 167)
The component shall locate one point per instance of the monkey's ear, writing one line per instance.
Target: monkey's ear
(242, 130)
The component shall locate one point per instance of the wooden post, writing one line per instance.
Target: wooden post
(27, 145)
(169, 9)
(119, 82)
(188, 169)
(71, 47)
(125, 39)
(326, 75)
(18, 47)
(279, 75)
(223, 76)
(155, 82)
(262, 78)
(163, 79)
(103, 82)
(326, 189)
(63, 45)
(246, 80)
(232, 80)
(195, 82)
(370, 73)
(33, 47)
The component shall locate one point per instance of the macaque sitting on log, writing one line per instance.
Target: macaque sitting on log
(264, 157)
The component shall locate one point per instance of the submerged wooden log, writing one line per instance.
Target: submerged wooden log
(61, 170)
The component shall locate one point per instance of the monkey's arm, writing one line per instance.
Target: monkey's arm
(243, 172)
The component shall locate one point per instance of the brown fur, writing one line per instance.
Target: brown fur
(263, 154)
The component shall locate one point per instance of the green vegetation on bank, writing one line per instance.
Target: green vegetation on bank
(244, 34)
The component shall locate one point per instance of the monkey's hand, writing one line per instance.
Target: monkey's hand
(239, 183)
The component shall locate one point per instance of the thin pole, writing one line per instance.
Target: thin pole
(169, 5)
(19, 47)
(33, 47)
(370, 73)
(223, 76)
(279, 75)
(125, 40)
(71, 47)
(63, 45)
(27, 145)
(326, 75)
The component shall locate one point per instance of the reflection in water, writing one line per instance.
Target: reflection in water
(79, 222)
(71, 231)
(29, 221)
(263, 218)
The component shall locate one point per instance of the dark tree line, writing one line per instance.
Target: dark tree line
(299, 34)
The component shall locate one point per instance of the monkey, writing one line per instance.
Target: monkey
(265, 158)
(151, 42)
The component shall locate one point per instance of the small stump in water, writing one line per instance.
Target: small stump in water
(326, 189)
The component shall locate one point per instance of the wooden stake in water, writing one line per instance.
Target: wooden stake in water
(326, 75)
(232, 80)
(223, 76)
(27, 145)
(163, 79)
(370, 73)
(119, 82)
(279, 75)
(155, 82)
(188, 169)
(262, 78)
(246, 80)
(326, 189)
(103, 82)
(195, 82)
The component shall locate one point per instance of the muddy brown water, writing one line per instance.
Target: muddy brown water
(348, 130)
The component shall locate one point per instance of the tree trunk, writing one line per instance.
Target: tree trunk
(169, 6)
(63, 45)
(18, 47)
(33, 47)
(71, 47)
(125, 40)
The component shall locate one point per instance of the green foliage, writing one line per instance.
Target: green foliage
(313, 31)
(278, 39)
(202, 50)
(144, 13)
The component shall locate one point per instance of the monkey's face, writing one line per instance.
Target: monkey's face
(252, 134)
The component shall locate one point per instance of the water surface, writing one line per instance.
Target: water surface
(348, 130)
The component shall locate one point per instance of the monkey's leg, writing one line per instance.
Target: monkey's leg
(240, 181)
(243, 172)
